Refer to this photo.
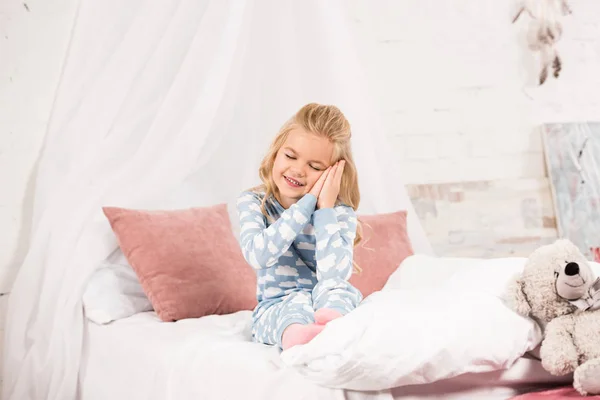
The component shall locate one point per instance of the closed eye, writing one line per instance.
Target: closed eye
(312, 166)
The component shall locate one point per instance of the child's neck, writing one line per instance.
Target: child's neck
(285, 202)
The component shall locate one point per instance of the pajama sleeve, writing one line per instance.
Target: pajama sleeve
(335, 231)
(261, 245)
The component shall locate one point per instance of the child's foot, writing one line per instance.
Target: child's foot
(296, 334)
(326, 315)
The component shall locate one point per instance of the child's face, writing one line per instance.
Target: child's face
(299, 164)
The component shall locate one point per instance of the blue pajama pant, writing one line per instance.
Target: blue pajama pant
(273, 316)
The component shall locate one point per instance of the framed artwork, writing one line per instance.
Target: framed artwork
(572, 153)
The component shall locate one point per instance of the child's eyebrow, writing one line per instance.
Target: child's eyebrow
(311, 161)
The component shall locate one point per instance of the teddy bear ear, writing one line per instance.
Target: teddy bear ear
(516, 298)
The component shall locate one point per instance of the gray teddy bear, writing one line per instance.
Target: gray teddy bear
(558, 289)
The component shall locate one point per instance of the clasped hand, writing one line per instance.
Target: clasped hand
(327, 187)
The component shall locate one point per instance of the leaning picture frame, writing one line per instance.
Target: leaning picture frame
(572, 153)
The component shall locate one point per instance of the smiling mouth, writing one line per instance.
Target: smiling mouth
(293, 182)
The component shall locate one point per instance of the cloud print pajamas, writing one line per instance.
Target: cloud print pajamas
(303, 260)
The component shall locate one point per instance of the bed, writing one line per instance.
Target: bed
(212, 357)
(187, 91)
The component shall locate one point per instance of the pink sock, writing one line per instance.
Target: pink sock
(325, 315)
(296, 334)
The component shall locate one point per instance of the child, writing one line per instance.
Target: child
(299, 228)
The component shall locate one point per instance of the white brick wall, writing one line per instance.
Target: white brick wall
(453, 79)
(457, 85)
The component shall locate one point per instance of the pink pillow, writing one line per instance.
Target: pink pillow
(554, 394)
(188, 261)
(384, 246)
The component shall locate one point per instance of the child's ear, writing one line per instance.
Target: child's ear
(516, 299)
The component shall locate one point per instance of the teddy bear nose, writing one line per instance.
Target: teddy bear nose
(572, 269)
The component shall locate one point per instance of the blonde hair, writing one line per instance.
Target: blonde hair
(325, 121)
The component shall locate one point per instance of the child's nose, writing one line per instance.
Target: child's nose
(297, 172)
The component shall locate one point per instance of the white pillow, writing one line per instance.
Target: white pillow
(114, 292)
(400, 337)
(420, 271)
(438, 317)
(596, 268)
(488, 276)
(461, 273)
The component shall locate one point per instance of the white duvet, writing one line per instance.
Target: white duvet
(422, 330)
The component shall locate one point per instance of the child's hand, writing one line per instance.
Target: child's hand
(316, 189)
(331, 187)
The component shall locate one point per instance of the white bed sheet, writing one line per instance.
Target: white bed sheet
(207, 358)
(212, 358)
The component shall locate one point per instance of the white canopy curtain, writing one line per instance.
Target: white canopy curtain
(171, 104)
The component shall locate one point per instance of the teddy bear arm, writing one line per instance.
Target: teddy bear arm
(559, 354)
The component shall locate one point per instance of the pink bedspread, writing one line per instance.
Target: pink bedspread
(554, 394)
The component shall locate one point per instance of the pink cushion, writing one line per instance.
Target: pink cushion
(190, 265)
(188, 261)
(384, 246)
(554, 394)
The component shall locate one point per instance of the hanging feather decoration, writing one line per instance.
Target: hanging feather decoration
(545, 30)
